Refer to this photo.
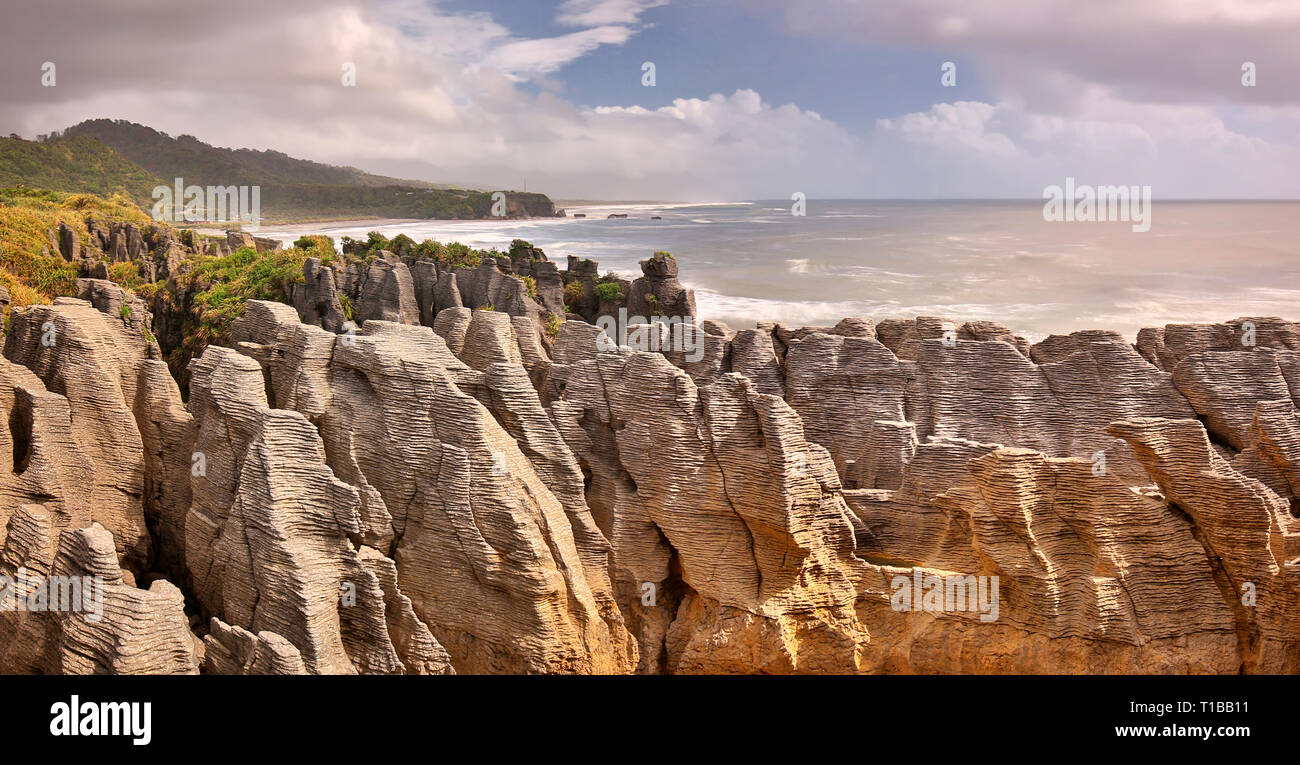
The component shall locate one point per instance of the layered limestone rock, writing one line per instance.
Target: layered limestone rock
(107, 297)
(448, 489)
(483, 547)
(424, 275)
(1167, 346)
(76, 426)
(236, 651)
(1091, 577)
(1241, 524)
(387, 293)
(488, 286)
(1224, 387)
(658, 292)
(71, 610)
(1273, 453)
(831, 374)
(948, 387)
(269, 534)
(452, 324)
(130, 630)
(97, 439)
(904, 336)
(718, 510)
(317, 297)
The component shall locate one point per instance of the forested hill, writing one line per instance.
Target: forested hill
(103, 156)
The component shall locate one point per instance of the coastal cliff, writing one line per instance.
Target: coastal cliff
(422, 459)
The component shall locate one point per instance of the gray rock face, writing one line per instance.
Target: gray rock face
(317, 297)
(471, 496)
(452, 325)
(688, 484)
(268, 537)
(480, 541)
(424, 275)
(82, 615)
(1225, 387)
(446, 293)
(138, 632)
(107, 297)
(387, 293)
(658, 292)
(236, 651)
(75, 424)
(1167, 346)
(826, 372)
(487, 285)
(550, 286)
(532, 262)
(69, 243)
(927, 373)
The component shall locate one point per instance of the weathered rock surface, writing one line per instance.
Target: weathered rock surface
(71, 609)
(445, 489)
(317, 297)
(658, 292)
(76, 423)
(483, 547)
(268, 537)
(387, 293)
(713, 498)
(236, 651)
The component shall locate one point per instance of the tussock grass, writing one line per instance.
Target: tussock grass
(30, 264)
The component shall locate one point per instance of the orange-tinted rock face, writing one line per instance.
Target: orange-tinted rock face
(915, 496)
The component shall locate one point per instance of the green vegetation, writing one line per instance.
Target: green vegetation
(303, 202)
(294, 188)
(126, 274)
(219, 288)
(29, 268)
(454, 254)
(80, 165)
(553, 324)
(208, 292)
(661, 254)
(320, 247)
(401, 244)
(194, 160)
(572, 296)
(610, 292)
(148, 290)
(518, 246)
(530, 287)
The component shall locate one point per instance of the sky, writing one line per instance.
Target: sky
(752, 99)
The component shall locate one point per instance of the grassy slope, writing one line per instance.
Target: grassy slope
(185, 156)
(83, 165)
(208, 294)
(293, 189)
(26, 217)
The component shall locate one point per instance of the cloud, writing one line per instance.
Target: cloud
(442, 96)
(1044, 52)
(980, 149)
(590, 13)
(541, 56)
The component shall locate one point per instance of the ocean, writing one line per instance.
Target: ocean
(964, 260)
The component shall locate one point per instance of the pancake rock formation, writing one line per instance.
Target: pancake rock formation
(459, 474)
